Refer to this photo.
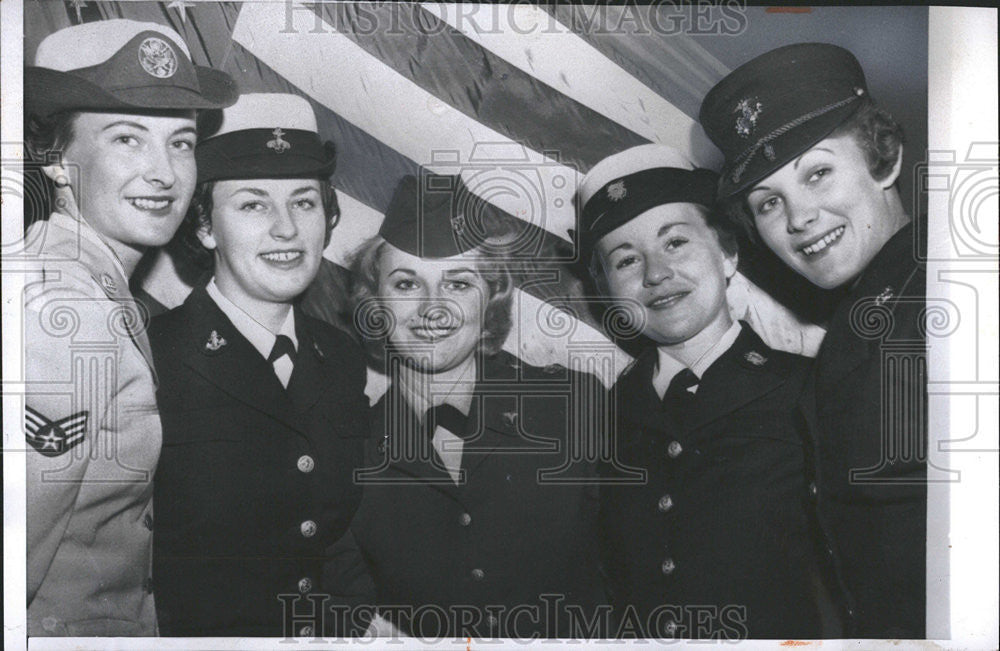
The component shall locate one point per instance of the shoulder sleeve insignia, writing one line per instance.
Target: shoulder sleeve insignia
(52, 438)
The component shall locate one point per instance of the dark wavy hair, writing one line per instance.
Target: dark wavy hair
(199, 217)
(365, 300)
(876, 133)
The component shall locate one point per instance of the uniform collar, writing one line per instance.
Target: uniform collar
(259, 337)
(668, 366)
(425, 391)
(87, 232)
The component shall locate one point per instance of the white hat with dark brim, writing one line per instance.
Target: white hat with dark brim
(624, 185)
(266, 135)
(121, 65)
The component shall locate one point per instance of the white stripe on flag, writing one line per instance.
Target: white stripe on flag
(374, 97)
(534, 41)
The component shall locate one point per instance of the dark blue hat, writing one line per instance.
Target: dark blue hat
(436, 216)
(776, 106)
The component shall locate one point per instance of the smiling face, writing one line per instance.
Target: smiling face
(667, 268)
(438, 307)
(268, 237)
(824, 214)
(132, 176)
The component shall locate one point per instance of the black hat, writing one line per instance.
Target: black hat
(773, 108)
(435, 216)
(624, 185)
(266, 135)
(121, 65)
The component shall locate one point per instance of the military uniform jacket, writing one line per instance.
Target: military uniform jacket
(93, 437)
(462, 558)
(866, 406)
(719, 528)
(254, 481)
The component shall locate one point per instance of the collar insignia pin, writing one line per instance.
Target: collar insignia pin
(755, 358)
(885, 295)
(215, 342)
(319, 351)
(510, 419)
(458, 223)
(108, 283)
(279, 144)
(157, 58)
(617, 190)
(748, 110)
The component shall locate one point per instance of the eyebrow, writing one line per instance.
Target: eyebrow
(190, 130)
(459, 271)
(249, 189)
(799, 159)
(403, 270)
(129, 123)
(304, 189)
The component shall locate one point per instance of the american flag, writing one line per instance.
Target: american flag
(521, 100)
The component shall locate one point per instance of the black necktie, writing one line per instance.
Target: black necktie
(445, 416)
(677, 393)
(282, 346)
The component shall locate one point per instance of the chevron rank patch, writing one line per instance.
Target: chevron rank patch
(53, 438)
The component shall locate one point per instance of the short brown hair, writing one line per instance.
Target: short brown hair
(876, 133)
(365, 301)
(199, 217)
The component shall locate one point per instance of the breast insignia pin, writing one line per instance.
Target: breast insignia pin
(215, 342)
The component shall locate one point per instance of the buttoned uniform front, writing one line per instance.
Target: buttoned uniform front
(89, 488)
(865, 403)
(719, 526)
(522, 525)
(255, 480)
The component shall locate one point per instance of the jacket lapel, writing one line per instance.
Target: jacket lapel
(217, 351)
(742, 374)
(404, 443)
(306, 384)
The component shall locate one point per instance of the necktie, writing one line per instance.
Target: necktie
(445, 416)
(677, 394)
(282, 346)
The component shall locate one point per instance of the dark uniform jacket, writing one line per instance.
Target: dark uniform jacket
(255, 482)
(477, 558)
(716, 542)
(866, 405)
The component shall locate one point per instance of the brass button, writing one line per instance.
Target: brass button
(674, 449)
(665, 504)
(668, 566)
(306, 463)
(813, 489)
(305, 585)
(478, 574)
(306, 631)
(465, 519)
(308, 528)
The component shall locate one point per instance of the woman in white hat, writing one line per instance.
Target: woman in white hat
(263, 407)
(111, 110)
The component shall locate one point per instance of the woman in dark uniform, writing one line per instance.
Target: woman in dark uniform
(472, 521)
(811, 169)
(263, 407)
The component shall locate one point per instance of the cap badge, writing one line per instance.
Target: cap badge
(279, 144)
(884, 296)
(755, 358)
(617, 191)
(747, 110)
(215, 342)
(157, 58)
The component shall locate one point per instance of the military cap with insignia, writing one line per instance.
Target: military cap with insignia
(436, 216)
(624, 185)
(776, 106)
(266, 135)
(120, 65)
